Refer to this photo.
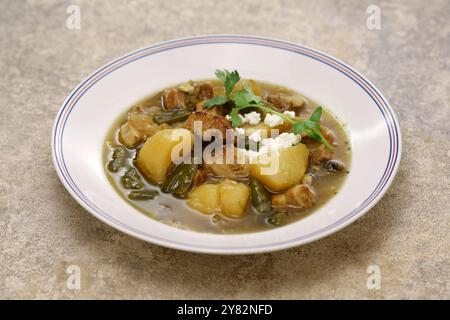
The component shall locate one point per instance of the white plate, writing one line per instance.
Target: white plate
(85, 117)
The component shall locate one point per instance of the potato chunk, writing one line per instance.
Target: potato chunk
(154, 158)
(292, 164)
(234, 198)
(205, 198)
(227, 197)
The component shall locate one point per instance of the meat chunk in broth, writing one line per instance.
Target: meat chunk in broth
(206, 91)
(208, 121)
(299, 196)
(318, 152)
(285, 102)
(234, 170)
(139, 125)
(174, 98)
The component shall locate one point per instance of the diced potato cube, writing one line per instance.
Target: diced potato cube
(234, 198)
(227, 197)
(205, 198)
(292, 164)
(155, 156)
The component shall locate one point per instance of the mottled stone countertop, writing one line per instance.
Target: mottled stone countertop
(43, 230)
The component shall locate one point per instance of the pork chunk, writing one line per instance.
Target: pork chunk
(205, 91)
(227, 166)
(285, 102)
(320, 153)
(209, 121)
(174, 98)
(299, 196)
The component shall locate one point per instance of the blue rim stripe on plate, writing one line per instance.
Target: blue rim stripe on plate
(375, 95)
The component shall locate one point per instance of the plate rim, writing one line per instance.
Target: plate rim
(239, 39)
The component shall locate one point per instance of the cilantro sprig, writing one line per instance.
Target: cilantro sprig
(311, 127)
(245, 98)
(229, 80)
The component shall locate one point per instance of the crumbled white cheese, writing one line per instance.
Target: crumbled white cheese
(283, 141)
(253, 117)
(273, 120)
(290, 113)
(286, 140)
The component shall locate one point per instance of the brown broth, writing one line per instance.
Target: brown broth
(173, 211)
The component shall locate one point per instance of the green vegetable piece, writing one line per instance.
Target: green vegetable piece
(131, 179)
(172, 116)
(180, 180)
(245, 97)
(142, 194)
(316, 115)
(229, 79)
(260, 197)
(277, 219)
(236, 119)
(311, 128)
(216, 101)
(118, 159)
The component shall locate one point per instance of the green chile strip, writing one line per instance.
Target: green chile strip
(131, 179)
(180, 180)
(260, 197)
(277, 219)
(142, 194)
(171, 116)
(118, 159)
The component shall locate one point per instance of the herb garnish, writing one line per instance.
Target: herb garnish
(245, 98)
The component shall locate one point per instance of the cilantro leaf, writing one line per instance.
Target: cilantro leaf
(235, 118)
(311, 128)
(221, 74)
(229, 79)
(245, 97)
(315, 117)
(215, 101)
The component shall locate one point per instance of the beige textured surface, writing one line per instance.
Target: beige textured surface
(43, 230)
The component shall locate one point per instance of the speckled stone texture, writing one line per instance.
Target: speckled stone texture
(43, 230)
